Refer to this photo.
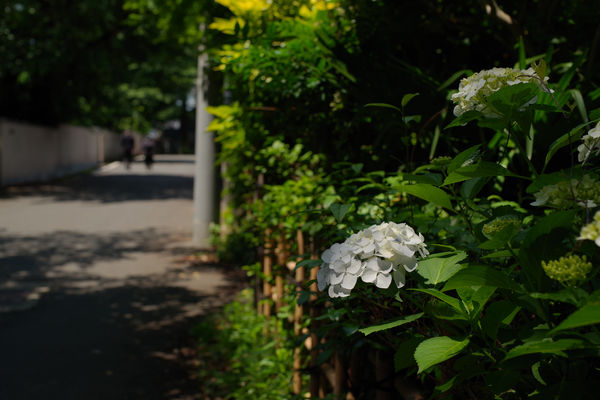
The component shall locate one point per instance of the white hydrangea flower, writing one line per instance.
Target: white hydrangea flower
(591, 144)
(591, 231)
(379, 254)
(473, 91)
(560, 195)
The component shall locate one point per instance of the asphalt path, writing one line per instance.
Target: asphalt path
(97, 290)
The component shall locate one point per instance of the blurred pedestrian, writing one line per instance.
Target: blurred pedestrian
(127, 143)
(148, 146)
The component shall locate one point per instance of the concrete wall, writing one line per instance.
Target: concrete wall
(30, 153)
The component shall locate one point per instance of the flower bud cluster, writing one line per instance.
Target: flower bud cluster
(498, 224)
(473, 91)
(560, 195)
(591, 231)
(568, 270)
(591, 144)
(378, 255)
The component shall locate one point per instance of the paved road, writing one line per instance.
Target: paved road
(97, 294)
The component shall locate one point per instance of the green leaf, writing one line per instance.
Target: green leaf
(499, 254)
(535, 371)
(509, 99)
(391, 324)
(576, 94)
(480, 275)
(308, 263)
(499, 313)
(429, 193)
(465, 157)
(407, 98)
(437, 269)
(589, 314)
(475, 298)
(383, 105)
(451, 301)
(339, 210)
(546, 346)
(574, 135)
(481, 169)
(404, 353)
(464, 119)
(573, 296)
(304, 297)
(436, 350)
(548, 223)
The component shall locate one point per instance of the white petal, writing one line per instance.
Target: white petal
(322, 278)
(399, 277)
(332, 292)
(354, 267)
(372, 264)
(385, 266)
(327, 255)
(369, 275)
(338, 266)
(411, 264)
(334, 278)
(349, 281)
(383, 281)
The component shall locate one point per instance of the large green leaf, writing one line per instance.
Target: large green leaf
(499, 313)
(404, 353)
(436, 350)
(546, 346)
(465, 118)
(439, 269)
(509, 99)
(586, 315)
(451, 301)
(465, 157)
(391, 324)
(480, 275)
(429, 193)
(573, 135)
(475, 298)
(481, 169)
(546, 224)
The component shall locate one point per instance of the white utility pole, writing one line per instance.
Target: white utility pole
(204, 184)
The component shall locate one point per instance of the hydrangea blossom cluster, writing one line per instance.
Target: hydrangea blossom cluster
(568, 270)
(559, 195)
(591, 231)
(590, 145)
(473, 91)
(378, 255)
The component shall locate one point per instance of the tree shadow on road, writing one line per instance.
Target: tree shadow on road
(127, 342)
(109, 188)
(33, 257)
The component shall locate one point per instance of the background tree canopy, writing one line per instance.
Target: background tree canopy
(113, 63)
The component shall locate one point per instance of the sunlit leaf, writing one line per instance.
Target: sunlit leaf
(436, 350)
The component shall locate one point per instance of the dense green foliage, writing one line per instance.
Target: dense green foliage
(342, 119)
(242, 355)
(113, 63)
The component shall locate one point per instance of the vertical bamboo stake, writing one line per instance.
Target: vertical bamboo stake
(315, 374)
(298, 312)
(281, 259)
(383, 370)
(339, 384)
(268, 272)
